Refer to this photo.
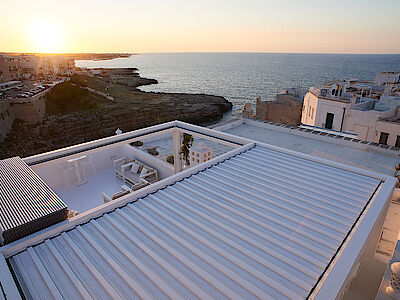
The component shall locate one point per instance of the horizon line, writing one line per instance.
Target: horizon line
(167, 52)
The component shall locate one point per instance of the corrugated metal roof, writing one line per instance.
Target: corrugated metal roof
(262, 224)
(24, 197)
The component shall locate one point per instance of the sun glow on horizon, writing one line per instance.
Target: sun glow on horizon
(207, 26)
(46, 37)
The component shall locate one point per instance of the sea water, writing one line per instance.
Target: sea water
(242, 77)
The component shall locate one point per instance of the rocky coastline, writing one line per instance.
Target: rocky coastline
(74, 115)
(97, 56)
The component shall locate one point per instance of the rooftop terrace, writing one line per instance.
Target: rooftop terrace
(81, 178)
(335, 147)
(258, 221)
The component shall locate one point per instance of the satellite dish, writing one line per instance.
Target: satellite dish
(118, 131)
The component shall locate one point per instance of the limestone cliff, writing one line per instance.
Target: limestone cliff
(75, 115)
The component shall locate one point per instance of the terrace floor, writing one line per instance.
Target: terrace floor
(370, 160)
(89, 195)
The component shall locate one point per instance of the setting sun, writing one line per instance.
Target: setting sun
(46, 37)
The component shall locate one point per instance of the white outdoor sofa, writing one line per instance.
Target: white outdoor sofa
(134, 172)
(119, 163)
(125, 190)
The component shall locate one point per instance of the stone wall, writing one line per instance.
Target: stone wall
(30, 110)
(286, 110)
(6, 118)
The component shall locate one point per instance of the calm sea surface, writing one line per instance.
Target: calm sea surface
(242, 77)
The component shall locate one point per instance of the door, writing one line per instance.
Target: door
(383, 138)
(329, 120)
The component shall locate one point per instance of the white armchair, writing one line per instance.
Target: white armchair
(119, 163)
(150, 176)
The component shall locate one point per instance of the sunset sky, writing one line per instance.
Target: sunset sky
(340, 26)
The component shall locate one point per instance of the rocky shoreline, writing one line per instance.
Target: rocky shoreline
(97, 56)
(75, 115)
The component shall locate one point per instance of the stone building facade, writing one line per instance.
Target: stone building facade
(28, 66)
(6, 118)
(10, 68)
(286, 109)
(30, 110)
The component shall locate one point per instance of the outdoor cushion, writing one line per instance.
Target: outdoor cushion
(120, 194)
(126, 167)
(144, 171)
(135, 168)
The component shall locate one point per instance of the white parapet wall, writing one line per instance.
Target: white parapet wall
(163, 168)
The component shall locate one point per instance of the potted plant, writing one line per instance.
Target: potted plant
(187, 142)
(397, 174)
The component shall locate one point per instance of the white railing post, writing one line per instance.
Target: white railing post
(176, 136)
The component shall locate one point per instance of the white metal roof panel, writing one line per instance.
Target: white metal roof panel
(262, 224)
(27, 204)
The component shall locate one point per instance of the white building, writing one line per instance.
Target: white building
(200, 153)
(321, 108)
(387, 77)
(354, 106)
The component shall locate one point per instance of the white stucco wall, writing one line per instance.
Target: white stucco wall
(364, 123)
(381, 78)
(102, 158)
(329, 106)
(393, 129)
(163, 168)
(309, 112)
(361, 122)
(315, 110)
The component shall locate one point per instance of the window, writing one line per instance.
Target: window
(2, 116)
(397, 141)
(383, 138)
(8, 113)
(312, 113)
